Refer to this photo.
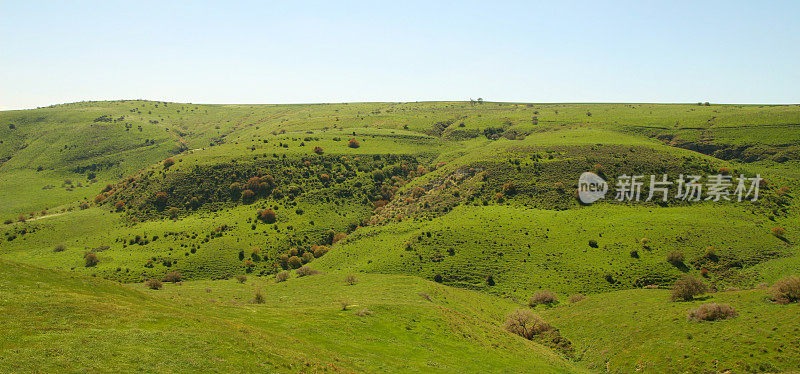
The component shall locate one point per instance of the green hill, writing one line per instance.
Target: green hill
(473, 206)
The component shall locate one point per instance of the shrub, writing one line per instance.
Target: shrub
(353, 143)
(99, 199)
(241, 278)
(282, 276)
(509, 188)
(779, 232)
(168, 162)
(295, 262)
(91, 259)
(173, 212)
(687, 287)
(119, 206)
(786, 290)
(161, 198)
(350, 279)
(318, 150)
(154, 284)
(712, 312)
(248, 194)
(8, 221)
(267, 215)
(675, 258)
(593, 243)
(363, 312)
(525, 324)
(259, 298)
(542, 297)
(724, 170)
(576, 297)
(173, 276)
(59, 248)
(305, 271)
(344, 304)
(319, 250)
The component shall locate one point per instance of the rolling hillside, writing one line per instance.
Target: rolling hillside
(451, 215)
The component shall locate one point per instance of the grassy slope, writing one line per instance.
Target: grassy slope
(484, 240)
(53, 321)
(764, 337)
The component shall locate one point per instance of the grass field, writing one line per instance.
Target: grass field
(449, 215)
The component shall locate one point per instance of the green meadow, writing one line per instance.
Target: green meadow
(399, 237)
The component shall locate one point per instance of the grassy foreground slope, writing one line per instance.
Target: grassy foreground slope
(659, 338)
(54, 321)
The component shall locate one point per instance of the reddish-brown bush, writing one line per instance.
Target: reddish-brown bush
(169, 162)
(119, 206)
(353, 143)
(318, 150)
(778, 232)
(99, 199)
(267, 215)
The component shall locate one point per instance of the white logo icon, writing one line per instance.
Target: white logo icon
(591, 187)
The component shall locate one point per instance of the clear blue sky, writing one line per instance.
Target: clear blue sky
(298, 52)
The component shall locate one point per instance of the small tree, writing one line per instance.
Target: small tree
(90, 259)
(350, 279)
(687, 287)
(525, 324)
